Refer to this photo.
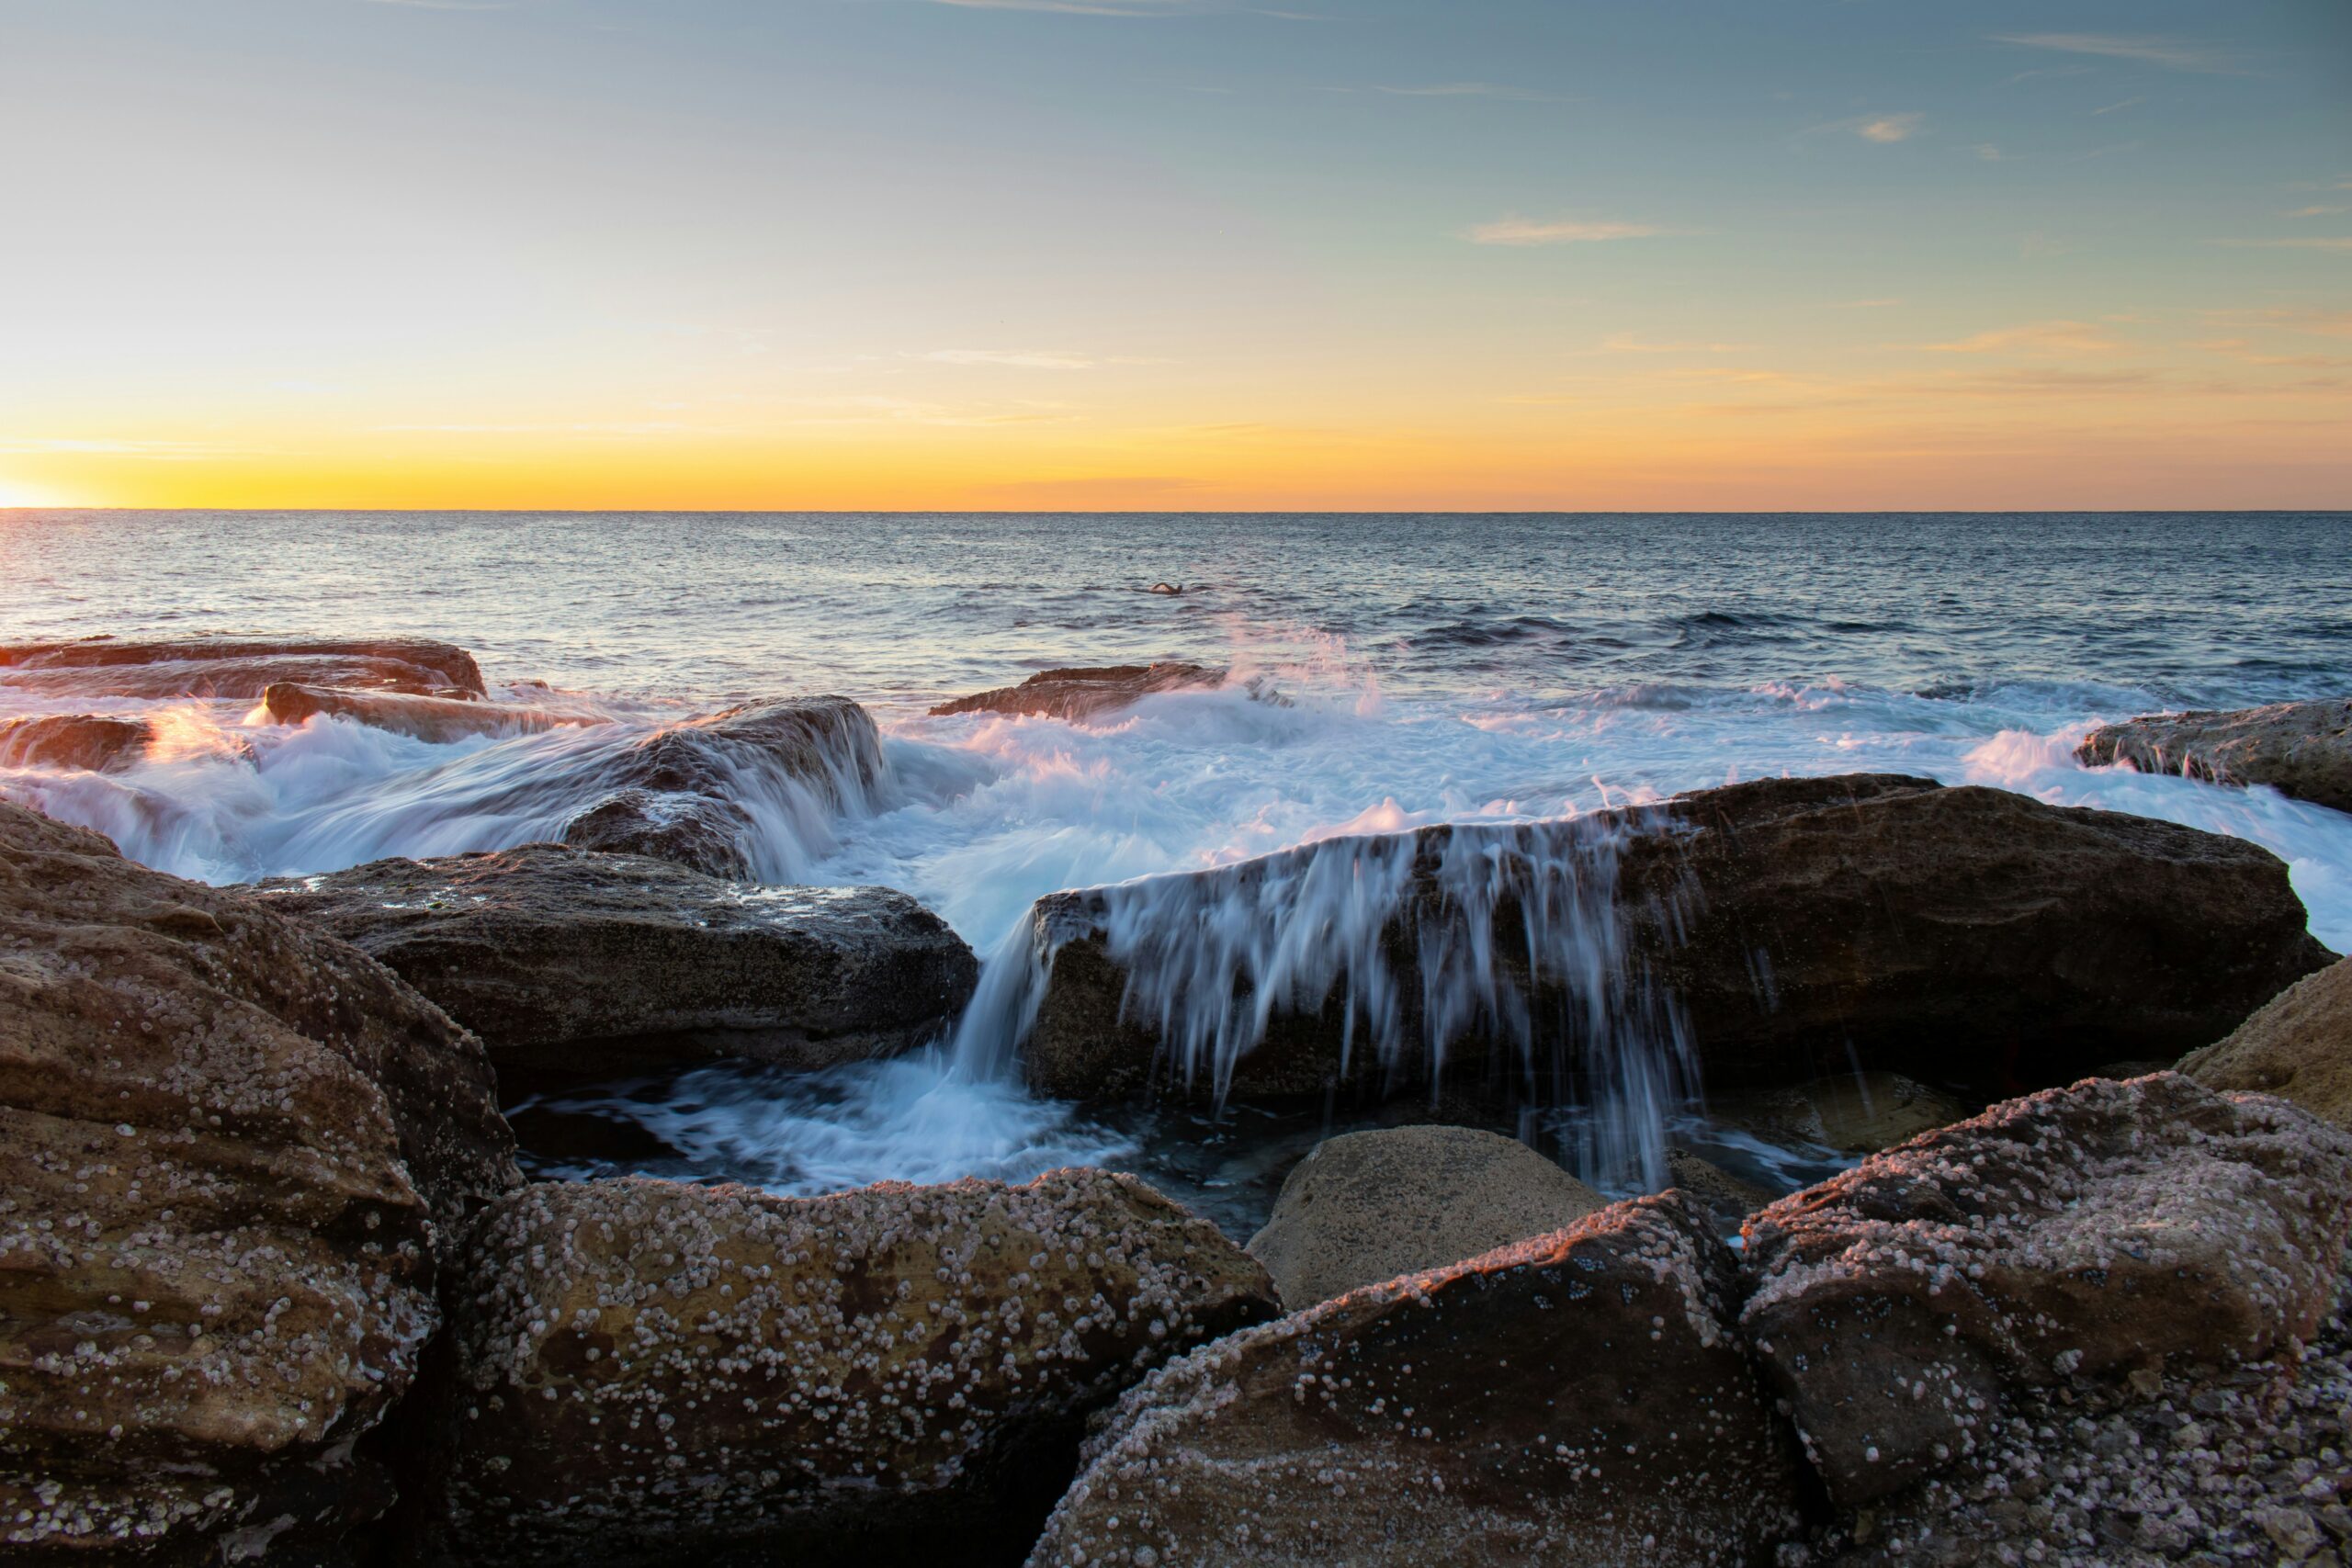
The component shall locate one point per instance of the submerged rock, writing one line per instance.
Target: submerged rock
(1370, 1206)
(437, 719)
(1851, 1113)
(1080, 694)
(2299, 749)
(2084, 1238)
(649, 1373)
(1579, 1397)
(569, 962)
(100, 742)
(1778, 930)
(2298, 1047)
(236, 667)
(229, 1147)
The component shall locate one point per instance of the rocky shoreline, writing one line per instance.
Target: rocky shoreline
(274, 1290)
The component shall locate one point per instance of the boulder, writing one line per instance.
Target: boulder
(236, 667)
(1077, 695)
(2303, 750)
(2082, 1238)
(2299, 1046)
(437, 719)
(1784, 928)
(1851, 1113)
(653, 1373)
(230, 1149)
(1369, 1206)
(1727, 1198)
(570, 962)
(1578, 1398)
(99, 742)
(699, 832)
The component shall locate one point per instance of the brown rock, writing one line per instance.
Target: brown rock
(1579, 1397)
(2076, 1237)
(1366, 1207)
(1080, 694)
(1725, 1196)
(437, 719)
(2299, 1046)
(99, 742)
(568, 962)
(2299, 749)
(1851, 1113)
(226, 1143)
(698, 832)
(654, 1373)
(235, 666)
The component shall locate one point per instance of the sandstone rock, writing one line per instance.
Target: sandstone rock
(437, 719)
(236, 667)
(1722, 1195)
(1369, 1206)
(2299, 1046)
(1080, 694)
(1852, 1112)
(695, 832)
(100, 742)
(2299, 749)
(229, 1147)
(653, 1373)
(1579, 1397)
(571, 962)
(1957, 935)
(2079, 1238)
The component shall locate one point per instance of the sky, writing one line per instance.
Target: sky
(1176, 254)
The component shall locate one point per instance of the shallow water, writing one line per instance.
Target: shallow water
(1435, 668)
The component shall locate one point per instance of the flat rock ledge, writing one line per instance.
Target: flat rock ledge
(2303, 750)
(650, 1373)
(436, 719)
(570, 964)
(237, 667)
(1579, 1397)
(98, 742)
(1078, 694)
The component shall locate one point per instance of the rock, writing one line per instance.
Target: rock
(236, 667)
(1369, 1206)
(570, 962)
(1955, 935)
(1578, 1398)
(1722, 1195)
(2303, 750)
(2299, 1046)
(695, 832)
(1076, 695)
(99, 742)
(437, 719)
(1853, 1113)
(654, 1373)
(229, 1148)
(2081, 1238)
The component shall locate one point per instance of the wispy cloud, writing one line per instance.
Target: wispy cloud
(1516, 230)
(2121, 104)
(1011, 359)
(1887, 127)
(1467, 90)
(1991, 154)
(1634, 343)
(2172, 54)
(1866, 304)
(2033, 337)
(2312, 242)
(2316, 212)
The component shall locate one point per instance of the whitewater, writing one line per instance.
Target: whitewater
(1428, 669)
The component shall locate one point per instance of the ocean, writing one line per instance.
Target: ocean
(1433, 667)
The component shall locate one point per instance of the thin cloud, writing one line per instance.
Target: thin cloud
(1516, 230)
(2033, 337)
(1467, 90)
(2314, 242)
(2316, 212)
(1890, 128)
(1991, 154)
(1011, 359)
(1634, 343)
(1866, 304)
(2124, 103)
(2172, 54)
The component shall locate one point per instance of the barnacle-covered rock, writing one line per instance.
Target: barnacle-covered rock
(226, 1141)
(2084, 1237)
(653, 1373)
(1578, 1398)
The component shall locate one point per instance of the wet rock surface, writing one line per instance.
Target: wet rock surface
(2299, 1046)
(437, 719)
(1787, 928)
(1726, 1197)
(100, 742)
(653, 1373)
(573, 964)
(2303, 750)
(699, 832)
(1579, 1397)
(236, 667)
(2083, 1240)
(1366, 1207)
(230, 1149)
(1856, 1113)
(1082, 693)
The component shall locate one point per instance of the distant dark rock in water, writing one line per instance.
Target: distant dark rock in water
(1366, 1207)
(646, 1373)
(2303, 750)
(1960, 935)
(231, 1147)
(573, 964)
(237, 667)
(1851, 1113)
(99, 742)
(1581, 1397)
(1168, 588)
(1079, 694)
(2298, 1047)
(437, 719)
(2076, 1239)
